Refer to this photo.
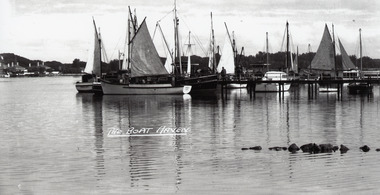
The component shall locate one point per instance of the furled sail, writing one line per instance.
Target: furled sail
(227, 60)
(94, 58)
(346, 61)
(145, 60)
(324, 58)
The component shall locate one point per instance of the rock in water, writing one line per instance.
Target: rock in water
(307, 147)
(244, 148)
(343, 148)
(293, 148)
(335, 148)
(365, 148)
(255, 148)
(378, 150)
(326, 148)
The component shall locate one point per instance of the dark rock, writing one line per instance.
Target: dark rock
(365, 148)
(244, 148)
(326, 148)
(255, 148)
(343, 149)
(293, 148)
(335, 148)
(316, 148)
(307, 147)
(278, 148)
(378, 150)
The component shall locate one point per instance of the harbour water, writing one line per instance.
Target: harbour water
(55, 141)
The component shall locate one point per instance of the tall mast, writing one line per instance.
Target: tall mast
(100, 52)
(212, 46)
(126, 61)
(267, 50)
(309, 50)
(287, 47)
(176, 38)
(189, 55)
(336, 71)
(361, 54)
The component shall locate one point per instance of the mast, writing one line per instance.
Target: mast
(176, 38)
(336, 71)
(267, 50)
(100, 50)
(287, 47)
(212, 46)
(188, 56)
(361, 54)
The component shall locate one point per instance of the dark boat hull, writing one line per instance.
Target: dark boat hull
(359, 88)
(201, 84)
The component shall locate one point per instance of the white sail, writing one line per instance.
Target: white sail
(94, 59)
(168, 62)
(227, 60)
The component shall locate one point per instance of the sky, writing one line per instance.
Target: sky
(62, 30)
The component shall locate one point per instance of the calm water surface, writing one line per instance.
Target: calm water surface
(55, 141)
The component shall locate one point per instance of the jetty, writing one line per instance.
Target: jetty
(312, 84)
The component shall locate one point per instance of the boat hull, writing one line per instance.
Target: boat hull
(201, 84)
(236, 86)
(84, 87)
(359, 88)
(88, 87)
(143, 89)
(271, 87)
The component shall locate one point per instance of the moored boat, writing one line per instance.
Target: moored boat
(89, 82)
(148, 75)
(273, 87)
(360, 87)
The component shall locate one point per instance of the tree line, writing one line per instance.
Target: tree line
(276, 61)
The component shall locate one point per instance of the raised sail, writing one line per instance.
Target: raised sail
(227, 60)
(94, 58)
(324, 58)
(346, 61)
(145, 60)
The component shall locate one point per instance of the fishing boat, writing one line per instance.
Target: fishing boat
(93, 70)
(205, 82)
(325, 65)
(202, 80)
(273, 87)
(148, 75)
(360, 87)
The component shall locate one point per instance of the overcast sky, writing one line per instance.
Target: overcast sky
(62, 29)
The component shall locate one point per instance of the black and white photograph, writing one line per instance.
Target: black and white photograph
(189, 97)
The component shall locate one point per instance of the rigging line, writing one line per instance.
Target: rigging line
(283, 39)
(114, 49)
(171, 11)
(194, 35)
(200, 44)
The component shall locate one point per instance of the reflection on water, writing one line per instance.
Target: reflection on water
(56, 141)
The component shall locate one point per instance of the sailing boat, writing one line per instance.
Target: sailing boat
(360, 87)
(147, 73)
(324, 61)
(93, 69)
(228, 60)
(272, 76)
(202, 83)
